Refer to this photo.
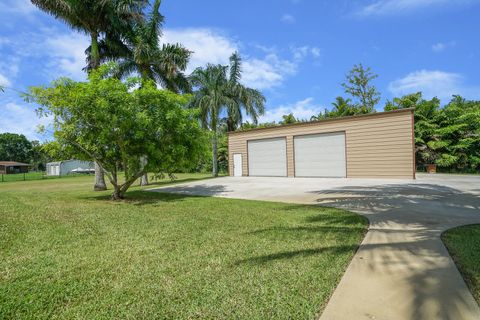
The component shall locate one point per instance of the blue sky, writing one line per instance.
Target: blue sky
(296, 51)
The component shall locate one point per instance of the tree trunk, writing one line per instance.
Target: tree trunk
(144, 179)
(94, 52)
(215, 155)
(117, 194)
(120, 190)
(230, 124)
(100, 184)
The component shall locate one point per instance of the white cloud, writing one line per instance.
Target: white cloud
(210, 46)
(207, 45)
(433, 83)
(4, 81)
(303, 109)
(55, 53)
(17, 7)
(441, 46)
(316, 52)
(67, 54)
(300, 53)
(288, 18)
(22, 119)
(392, 7)
(268, 72)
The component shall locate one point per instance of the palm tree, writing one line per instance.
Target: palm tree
(96, 19)
(248, 99)
(139, 51)
(342, 107)
(219, 91)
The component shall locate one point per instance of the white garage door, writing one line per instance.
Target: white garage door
(267, 157)
(320, 155)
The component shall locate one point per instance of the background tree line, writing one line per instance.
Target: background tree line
(448, 136)
(16, 147)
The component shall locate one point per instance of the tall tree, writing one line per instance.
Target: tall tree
(15, 147)
(458, 135)
(247, 99)
(359, 85)
(97, 19)
(139, 52)
(217, 93)
(211, 97)
(123, 126)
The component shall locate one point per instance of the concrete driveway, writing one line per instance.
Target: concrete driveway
(402, 269)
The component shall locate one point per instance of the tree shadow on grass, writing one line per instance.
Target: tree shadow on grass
(168, 182)
(199, 190)
(309, 229)
(296, 253)
(139, 197)
(143, 197)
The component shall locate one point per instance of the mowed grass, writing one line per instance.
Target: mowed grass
(69, 253)
(463, 243)
(23, 176)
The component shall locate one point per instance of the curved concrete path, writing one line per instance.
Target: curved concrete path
(402, 269)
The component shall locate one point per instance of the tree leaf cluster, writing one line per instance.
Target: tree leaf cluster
(122, 128)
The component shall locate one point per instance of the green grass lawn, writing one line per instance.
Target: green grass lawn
(463, 243)
(22, 176)
(69, 253)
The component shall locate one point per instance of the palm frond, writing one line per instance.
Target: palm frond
(235, 67)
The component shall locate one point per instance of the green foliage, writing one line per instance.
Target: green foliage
(107, 120)
(248, 125)
(358, 85)
(139, 51)
(222, 157)
(96, 18)
(288, 119)
(341, 108)
(15, 147)
(459, 130)
(407, 101)
(218, 91)
(247, 99)
(448, 136)
(39, 157)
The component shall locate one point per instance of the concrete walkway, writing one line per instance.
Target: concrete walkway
(402, 269)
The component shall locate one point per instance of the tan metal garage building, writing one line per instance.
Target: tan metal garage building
(377, 145)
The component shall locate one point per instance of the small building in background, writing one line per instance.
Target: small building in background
(12, 167)
(62, 168)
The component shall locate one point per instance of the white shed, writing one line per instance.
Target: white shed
(62, 168)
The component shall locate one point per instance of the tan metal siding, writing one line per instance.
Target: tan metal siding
(290, 157)
(378, 145)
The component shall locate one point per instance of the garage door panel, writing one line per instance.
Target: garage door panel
(267, 157)
(320, 155)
